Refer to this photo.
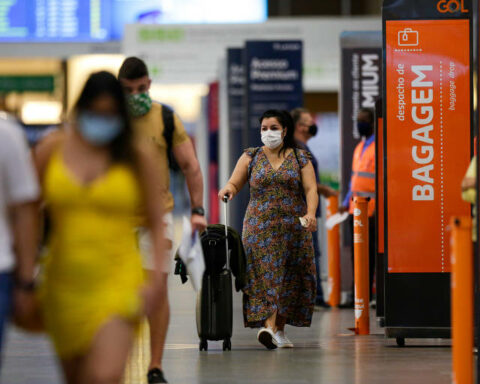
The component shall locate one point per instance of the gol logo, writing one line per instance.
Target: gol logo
(357, 212)
(451, 6)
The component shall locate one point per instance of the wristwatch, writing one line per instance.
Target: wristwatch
(198, 211)
(27, 286)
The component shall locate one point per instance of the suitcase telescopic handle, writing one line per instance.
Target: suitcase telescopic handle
(225, 200)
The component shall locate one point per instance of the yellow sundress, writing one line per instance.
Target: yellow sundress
(93, 269)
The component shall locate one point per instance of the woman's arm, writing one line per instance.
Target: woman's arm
(238, 178)
(469, 182)
(310, 188)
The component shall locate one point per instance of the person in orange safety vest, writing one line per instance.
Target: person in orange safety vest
(362, 182)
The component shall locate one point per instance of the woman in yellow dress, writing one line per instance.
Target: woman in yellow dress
(94, 182)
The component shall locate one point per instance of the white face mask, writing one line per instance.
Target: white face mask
(272, 139)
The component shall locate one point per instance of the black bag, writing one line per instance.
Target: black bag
(168, 128)
(214, 302)
(215, 310)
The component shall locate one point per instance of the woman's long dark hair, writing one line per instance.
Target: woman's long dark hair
(104, 83)
(286, 121)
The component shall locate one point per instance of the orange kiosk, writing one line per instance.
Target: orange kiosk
(427, 116)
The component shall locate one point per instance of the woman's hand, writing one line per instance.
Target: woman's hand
(468, 182)
(229, 190)
(311, 222)
(27, 314)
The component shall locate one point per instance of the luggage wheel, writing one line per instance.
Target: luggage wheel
(401, 341)
(227, 345)
(203, 345)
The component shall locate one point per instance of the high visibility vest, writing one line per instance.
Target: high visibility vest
(363, 175)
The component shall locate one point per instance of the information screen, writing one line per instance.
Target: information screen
(104, 20)
(54, 20)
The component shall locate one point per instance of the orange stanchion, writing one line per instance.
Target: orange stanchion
(462, 300)
(360, 255)
(333, 249)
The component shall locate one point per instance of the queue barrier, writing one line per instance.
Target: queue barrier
(361, 262)
(333, 249)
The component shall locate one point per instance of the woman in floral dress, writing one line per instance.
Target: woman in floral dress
(280, 260)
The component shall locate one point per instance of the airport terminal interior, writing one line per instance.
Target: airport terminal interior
(352, 259)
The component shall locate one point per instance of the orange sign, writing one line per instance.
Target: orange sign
(380, 188)
(428, 139)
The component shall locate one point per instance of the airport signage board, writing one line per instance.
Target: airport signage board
(273, 80)
(428, 116)
(190, 53)
(40, 83)
(236, 125)
(360, 87)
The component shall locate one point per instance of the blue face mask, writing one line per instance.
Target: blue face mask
(98, 129)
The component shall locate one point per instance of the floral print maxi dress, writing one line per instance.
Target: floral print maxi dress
(279, 251)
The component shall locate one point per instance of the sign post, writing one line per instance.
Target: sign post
(236, 126)
(274, 80)
(361, 261)
(427, 117)
(333, 246)
(361, 85)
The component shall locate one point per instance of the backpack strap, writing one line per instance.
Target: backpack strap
(168, 128)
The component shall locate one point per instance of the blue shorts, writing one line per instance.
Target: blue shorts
(6, 287)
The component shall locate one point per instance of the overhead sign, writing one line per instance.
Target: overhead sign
(190, 53)
(361, 86)
(236, 124)
(45, 83)
(427, 138)
(274, 80)
(54, 20)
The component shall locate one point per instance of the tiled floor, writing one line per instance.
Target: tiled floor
(325, 353)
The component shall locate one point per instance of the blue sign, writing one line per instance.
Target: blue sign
(104, 20)
(54, 20)
(274, 80)
(236, 124)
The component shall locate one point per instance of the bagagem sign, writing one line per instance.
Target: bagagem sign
(427, 136)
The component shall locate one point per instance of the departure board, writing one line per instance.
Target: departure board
(54, 20)
(104, 20)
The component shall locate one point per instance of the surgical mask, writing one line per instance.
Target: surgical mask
(272, 139)
(98, 129)
(139, 104)
(364, 128)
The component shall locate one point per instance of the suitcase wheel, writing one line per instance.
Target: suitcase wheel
(227, 345)
(203, 345)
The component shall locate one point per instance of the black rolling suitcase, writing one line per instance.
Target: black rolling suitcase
(214, 302)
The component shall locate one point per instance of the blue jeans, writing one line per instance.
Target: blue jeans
(6, 287)
(316, 249)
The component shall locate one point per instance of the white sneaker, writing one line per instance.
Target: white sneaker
(266, 337)
(281, 340)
